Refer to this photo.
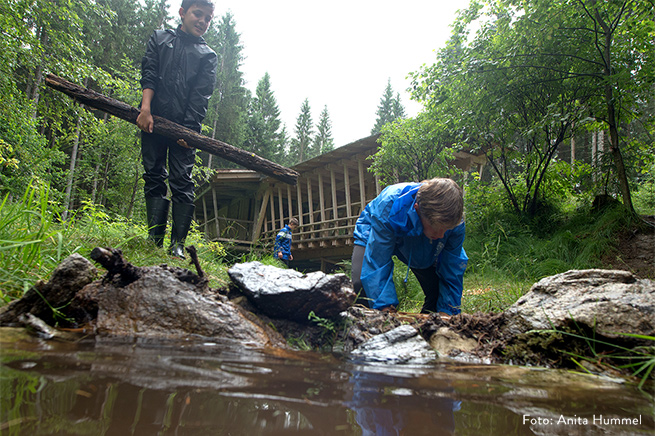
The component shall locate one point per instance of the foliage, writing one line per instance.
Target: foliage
(409, 291)
(326, 324)
(329, 329)
(533, 74)
(644, 196)
(532, 249)
(20, 140)
(413, 149)
(25, 154)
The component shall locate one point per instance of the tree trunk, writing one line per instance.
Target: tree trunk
(611, 117)
(38, 75)
(135, 188)
(174, 131)
(94, 189)
(618, 159)
(71, 172)
(209, 160)
(96, 171)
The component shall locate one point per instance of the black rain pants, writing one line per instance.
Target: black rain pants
(155, 150)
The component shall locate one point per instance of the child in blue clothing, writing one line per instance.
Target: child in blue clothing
(282, 248)
(422, 224)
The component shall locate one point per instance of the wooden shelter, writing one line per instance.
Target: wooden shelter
(245, 209)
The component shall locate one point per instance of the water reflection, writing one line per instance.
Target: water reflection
(198, 388)
(383, 406)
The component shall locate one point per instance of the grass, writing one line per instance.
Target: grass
(491, 292)
(507, 256)
(638, 361)
(33, 241)
(29, 245)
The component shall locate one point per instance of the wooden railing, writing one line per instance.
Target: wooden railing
(331, 232)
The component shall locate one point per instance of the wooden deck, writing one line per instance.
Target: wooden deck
(245, 210)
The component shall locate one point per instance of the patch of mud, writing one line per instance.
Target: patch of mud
(485, 328)
(636, 251)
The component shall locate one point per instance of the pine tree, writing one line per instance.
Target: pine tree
(398, 111)
(228, 107)
(389, 110)
(323, 141)
(300, 145)
(264, 137)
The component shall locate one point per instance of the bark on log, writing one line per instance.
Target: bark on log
(174, 131)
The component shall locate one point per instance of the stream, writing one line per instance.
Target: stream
(98, 386)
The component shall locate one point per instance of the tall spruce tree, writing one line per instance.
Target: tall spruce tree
(301, 143)
(397, 110)
(228, 107)
(323, 141)
(389, 110)
(264, 136)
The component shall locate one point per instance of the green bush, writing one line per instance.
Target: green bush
(643, 196)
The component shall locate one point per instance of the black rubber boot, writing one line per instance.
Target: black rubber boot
(182, 217)
(157, 213)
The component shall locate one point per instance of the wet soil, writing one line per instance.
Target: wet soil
(635, 251)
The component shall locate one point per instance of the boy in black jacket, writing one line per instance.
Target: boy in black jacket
(178, 72)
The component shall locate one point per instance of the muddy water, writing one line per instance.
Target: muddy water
(100, 387)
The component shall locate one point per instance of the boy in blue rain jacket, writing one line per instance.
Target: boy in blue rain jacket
(282, 249)
(422, 224)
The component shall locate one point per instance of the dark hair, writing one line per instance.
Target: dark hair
(186, 4)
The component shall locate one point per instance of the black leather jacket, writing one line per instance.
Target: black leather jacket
(181, 69)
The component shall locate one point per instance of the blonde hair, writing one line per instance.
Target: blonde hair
(441, 202)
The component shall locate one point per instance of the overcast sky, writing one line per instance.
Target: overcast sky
(338, 53)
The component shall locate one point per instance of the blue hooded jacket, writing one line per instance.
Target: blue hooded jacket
(388, 226)
(283, 242)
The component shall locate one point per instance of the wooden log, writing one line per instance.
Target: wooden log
(174, 131)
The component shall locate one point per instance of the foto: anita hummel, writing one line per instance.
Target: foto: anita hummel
(577, 420)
